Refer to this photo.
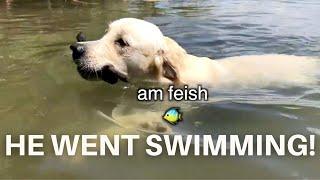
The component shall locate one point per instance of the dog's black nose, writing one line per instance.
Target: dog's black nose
(77, 49)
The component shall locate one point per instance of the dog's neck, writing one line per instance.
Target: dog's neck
(199, 70)
(192, 70)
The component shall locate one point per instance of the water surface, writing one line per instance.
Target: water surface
(41, 92)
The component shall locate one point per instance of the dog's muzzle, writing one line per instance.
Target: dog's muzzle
(78, 51)
(107, 73)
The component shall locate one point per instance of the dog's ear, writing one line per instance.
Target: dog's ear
(168, 69)
(169, 61)
(165, 68)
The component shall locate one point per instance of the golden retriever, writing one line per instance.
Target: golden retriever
(135, 51)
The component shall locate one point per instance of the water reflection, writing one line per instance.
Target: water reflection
(41, 91)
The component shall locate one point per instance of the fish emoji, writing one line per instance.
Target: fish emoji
(173, 115)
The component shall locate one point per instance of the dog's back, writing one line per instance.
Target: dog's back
(269, 70)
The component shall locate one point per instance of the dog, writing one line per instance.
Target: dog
(136, 51)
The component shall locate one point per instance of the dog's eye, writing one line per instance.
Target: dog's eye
(120, 42)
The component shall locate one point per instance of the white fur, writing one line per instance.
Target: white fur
(140, 34)
(146, 41)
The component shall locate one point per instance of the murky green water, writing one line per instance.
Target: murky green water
(41, 92)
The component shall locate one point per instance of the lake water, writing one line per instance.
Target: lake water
(42, 93)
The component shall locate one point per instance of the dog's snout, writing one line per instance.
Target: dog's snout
(77, 49)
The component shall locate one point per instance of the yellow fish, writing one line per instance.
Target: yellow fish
(172, 115)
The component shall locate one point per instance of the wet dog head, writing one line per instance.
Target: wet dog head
(131, 50)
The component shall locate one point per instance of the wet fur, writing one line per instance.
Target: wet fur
(154, 57)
